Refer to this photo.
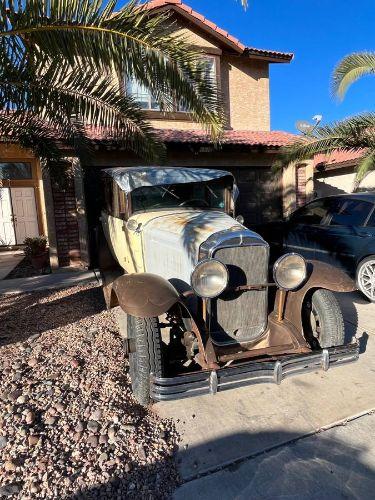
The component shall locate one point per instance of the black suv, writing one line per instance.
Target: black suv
(339, 230)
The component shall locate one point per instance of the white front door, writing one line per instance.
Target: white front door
(7, 236)
(24, 213)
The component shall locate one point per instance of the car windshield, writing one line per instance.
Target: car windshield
(203, 195)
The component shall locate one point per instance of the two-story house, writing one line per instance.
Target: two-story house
(248, 148)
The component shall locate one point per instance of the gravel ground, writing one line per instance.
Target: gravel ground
(69, 426)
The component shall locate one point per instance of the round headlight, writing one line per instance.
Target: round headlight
(209, 278)
(289, 271)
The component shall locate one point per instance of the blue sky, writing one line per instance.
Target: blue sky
(320, 33)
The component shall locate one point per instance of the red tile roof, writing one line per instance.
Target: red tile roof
(245, 137)
(184, 9)
(338, 157)
(275, 139)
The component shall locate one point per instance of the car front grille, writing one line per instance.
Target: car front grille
(241, 316)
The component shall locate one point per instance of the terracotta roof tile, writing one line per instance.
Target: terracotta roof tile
(338, 157)
(245, 137)
(250, 51)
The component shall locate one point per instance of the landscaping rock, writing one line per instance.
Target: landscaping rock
(67, 429)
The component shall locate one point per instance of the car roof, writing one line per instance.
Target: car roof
(130, 178)
(364, 196)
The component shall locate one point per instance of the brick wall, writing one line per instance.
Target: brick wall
(300, 185)
(67, 236)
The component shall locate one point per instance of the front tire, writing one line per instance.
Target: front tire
(323, 320)
(146, 357)
(365, 277)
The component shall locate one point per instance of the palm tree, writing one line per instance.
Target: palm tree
(63, 64)
(353, 134)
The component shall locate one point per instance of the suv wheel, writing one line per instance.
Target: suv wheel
(323, 321)
(365, 277)
(145, 356)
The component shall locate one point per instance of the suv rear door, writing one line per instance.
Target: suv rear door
(340, 242)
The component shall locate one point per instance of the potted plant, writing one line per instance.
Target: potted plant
(36, 250)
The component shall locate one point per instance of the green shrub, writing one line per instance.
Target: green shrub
(35, 246)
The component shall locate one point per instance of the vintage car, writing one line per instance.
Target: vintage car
(199, 308)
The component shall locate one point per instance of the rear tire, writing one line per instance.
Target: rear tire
(365, 278)
(323, 320)
(147, 357)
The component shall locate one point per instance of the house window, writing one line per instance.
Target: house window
(146, 100)
(15, 171)
(142, 96)
(210, 73)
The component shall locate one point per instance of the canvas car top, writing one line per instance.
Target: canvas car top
(130, 178)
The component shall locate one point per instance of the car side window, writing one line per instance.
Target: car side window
(351, 213)
(314, 213)
(371, 221)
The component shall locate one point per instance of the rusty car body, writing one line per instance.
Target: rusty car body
(199, 308)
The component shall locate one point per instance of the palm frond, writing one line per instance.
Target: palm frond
(131, 42)
(350, 69)
(365, 166)
(353, 134)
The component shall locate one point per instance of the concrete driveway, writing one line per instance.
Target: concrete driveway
(228, 437)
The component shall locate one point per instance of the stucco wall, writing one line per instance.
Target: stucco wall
(244, 84)
(341, 181)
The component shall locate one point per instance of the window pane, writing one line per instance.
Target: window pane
(371, 221)
(352, 213)
(142, 95)
(314, 213)
(15, 171)
(210, 71)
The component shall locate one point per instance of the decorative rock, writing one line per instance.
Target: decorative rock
(22, 400)
(30, 417)
(103, 439)
(92, 441)
(96, 415)
(103, 457)
(92, 426)
(33, 440)
(112, 433)
(59, 407)
(77, 436)
(79, 427)
(9, 489)
(13, 395)
(3, 442)
(141, 452)
(9, 466)
(32, 362)
(49, 420)
(75, 363)
(127, 467)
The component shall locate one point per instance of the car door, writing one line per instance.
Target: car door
(302, 226)
(343, 239)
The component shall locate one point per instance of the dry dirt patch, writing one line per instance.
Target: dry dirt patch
(69, 426)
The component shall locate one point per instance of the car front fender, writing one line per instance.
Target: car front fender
(320, 275)
(144, 295)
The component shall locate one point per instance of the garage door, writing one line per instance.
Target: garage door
(260, 198)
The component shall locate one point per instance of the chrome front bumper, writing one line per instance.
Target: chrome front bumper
(251, 372)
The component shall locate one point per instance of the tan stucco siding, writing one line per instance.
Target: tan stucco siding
(245, 87)
(341, 181)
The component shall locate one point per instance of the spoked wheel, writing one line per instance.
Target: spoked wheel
(323, 321)
(366, 278)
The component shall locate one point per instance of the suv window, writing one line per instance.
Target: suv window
(351, 213)
(314, 213)
(371, 221)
